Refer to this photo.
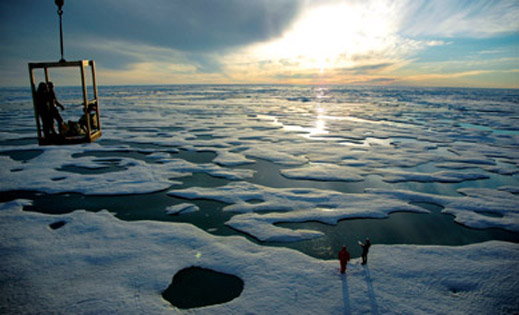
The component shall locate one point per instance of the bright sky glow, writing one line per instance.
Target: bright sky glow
(402, 42)
(378, 42)
(330, 35)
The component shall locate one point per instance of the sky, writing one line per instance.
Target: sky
(459, 43)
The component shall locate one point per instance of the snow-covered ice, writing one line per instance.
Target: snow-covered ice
(298, 205)
(270, 154)
(98, 264)
(182, 208)
(324, 172)
(473, 208)
(329, 207)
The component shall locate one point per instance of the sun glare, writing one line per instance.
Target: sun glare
(332, 36)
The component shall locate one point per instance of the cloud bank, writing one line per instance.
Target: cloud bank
(259, 41)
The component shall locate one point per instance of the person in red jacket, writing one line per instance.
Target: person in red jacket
(344, 257)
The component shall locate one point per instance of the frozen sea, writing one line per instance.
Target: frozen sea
(307, 167)
(304, 167)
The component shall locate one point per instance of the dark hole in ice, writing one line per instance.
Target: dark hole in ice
(58, 224)
(22, 155)
(197, 287)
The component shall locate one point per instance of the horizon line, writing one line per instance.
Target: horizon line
(279, 84)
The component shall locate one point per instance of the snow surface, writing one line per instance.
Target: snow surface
(45, 172)
(468, 208)
(97, 264)
(324, 172)
(456, 148)
(182, 208)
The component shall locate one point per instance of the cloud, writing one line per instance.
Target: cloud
(491, 51)
(194, 26)
(259, 41)
(473, 78)
(365, 69)
(198, 28)
(430, 76)
(380, 81)
(357, 41)
(467, 18)
(334, 41)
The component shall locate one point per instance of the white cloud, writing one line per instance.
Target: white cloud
(333, 36)
(324, 38)
(445, 18)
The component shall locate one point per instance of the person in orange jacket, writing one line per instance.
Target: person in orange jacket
(344, 257)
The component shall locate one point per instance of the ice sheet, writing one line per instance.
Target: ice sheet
(95, 263)
(328, 207)
(478, 208)
(420, 145)
(298, 205)
(48, 172)
(405, 136)
(182, 208)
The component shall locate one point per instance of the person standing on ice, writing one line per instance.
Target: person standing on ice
(365, 250)
(344, 257)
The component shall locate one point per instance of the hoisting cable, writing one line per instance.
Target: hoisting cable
(60, 3)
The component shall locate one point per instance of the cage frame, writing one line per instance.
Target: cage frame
(92, 133)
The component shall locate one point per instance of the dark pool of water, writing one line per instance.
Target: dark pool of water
(400, 228)
(268, 174)
(22, 155)
(196, 287)
(434, 228)
(198, 157)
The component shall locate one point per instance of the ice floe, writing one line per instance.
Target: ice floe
(226, 158)
(301, 205)
(42, 172)
(393, 176)
(324, 172)
(131, 176)
(420, 145)
(298, 205)
(182, 208)
(98, 264)
(468, 209)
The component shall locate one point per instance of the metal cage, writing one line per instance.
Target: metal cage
(93, 131)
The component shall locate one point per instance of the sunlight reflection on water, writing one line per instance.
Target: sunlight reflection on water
(368, 129)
